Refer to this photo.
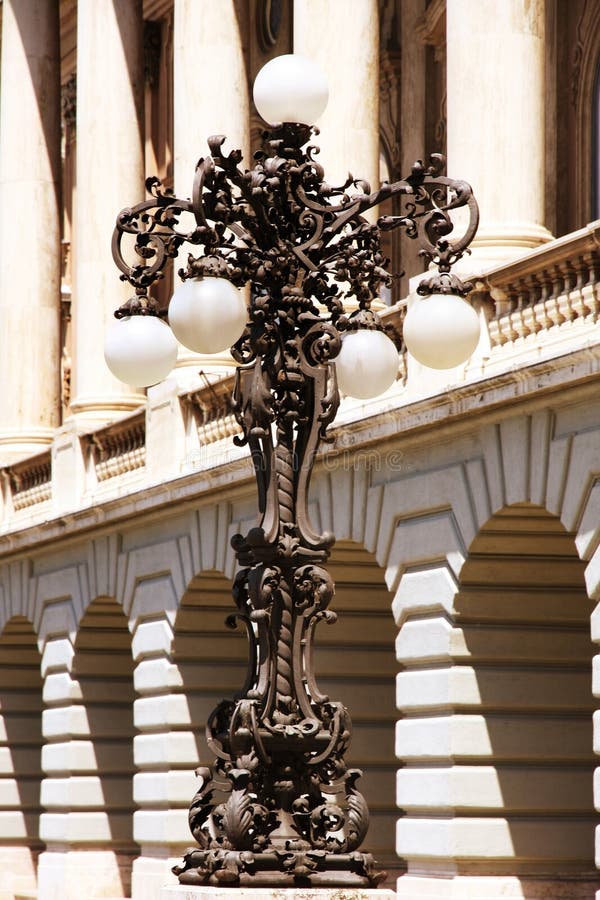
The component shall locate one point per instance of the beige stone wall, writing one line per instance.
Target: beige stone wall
(482, 546)
(29, 226)
(466, 505)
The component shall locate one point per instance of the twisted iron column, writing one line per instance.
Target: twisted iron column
(280, 806)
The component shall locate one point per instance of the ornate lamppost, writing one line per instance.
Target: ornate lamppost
(280, 806)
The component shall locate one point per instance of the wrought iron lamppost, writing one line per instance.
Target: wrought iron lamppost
(280, 806)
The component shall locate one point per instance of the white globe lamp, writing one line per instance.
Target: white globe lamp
(290, 88)
(140, 350)
(207, 315)
(367, 364)
(441, 330)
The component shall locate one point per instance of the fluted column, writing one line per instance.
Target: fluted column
(29, 227)
(344, 40)
(210, 97)
(495, 129)
(110, 175)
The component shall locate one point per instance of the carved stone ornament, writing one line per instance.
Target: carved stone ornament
(279, 805)
(68, 103)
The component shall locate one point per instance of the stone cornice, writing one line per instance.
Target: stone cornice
(454, 411)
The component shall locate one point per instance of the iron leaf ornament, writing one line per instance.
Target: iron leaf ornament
(280, 806)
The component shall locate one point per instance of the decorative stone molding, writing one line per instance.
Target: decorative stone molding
(269, 19)
(389, 106)
(118, 449)
(432, 32)
(389, 87)
(432, 29)
(584, 67)
(68, 104)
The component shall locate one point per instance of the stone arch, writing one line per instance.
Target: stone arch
(89, 730)
(20, 756)
(187, 661)
(159, 589)
(497, 696)
(355, 662)
(103, 667)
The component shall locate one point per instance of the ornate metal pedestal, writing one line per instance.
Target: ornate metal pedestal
(280, 806)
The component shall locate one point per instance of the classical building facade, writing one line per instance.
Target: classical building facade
(466, 504)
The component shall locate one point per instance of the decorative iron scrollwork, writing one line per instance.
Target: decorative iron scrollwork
(280, 806)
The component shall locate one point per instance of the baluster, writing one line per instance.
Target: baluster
(506, 332)
(517, 319)
(530, 312)
(562, 295)
(550, 298)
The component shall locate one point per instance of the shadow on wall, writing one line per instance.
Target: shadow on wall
(354, 660)
(20, 756)
(103, 666)
(525, 620)
(212, 662)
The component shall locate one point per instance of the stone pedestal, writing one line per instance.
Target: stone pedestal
(180, 892)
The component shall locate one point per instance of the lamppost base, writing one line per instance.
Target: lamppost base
(282, 869)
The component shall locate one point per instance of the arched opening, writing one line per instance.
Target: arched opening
(103, 668)
(211, 659)
(20, 756)
(524, 617)
(356, 663)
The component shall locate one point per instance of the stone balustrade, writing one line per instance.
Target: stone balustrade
(210, 412)
(117, 449)
(535, 309)
(28, 483)
(553, 286)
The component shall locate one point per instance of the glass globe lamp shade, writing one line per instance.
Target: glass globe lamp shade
(140, 350)
(441, 330)
(290, 88)
(367, 364)
(207, 315)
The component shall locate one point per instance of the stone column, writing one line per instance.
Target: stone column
(495, 132)
(344, 41)
(110, 176)
(29, 227)
(207, 52)
(166, 756)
